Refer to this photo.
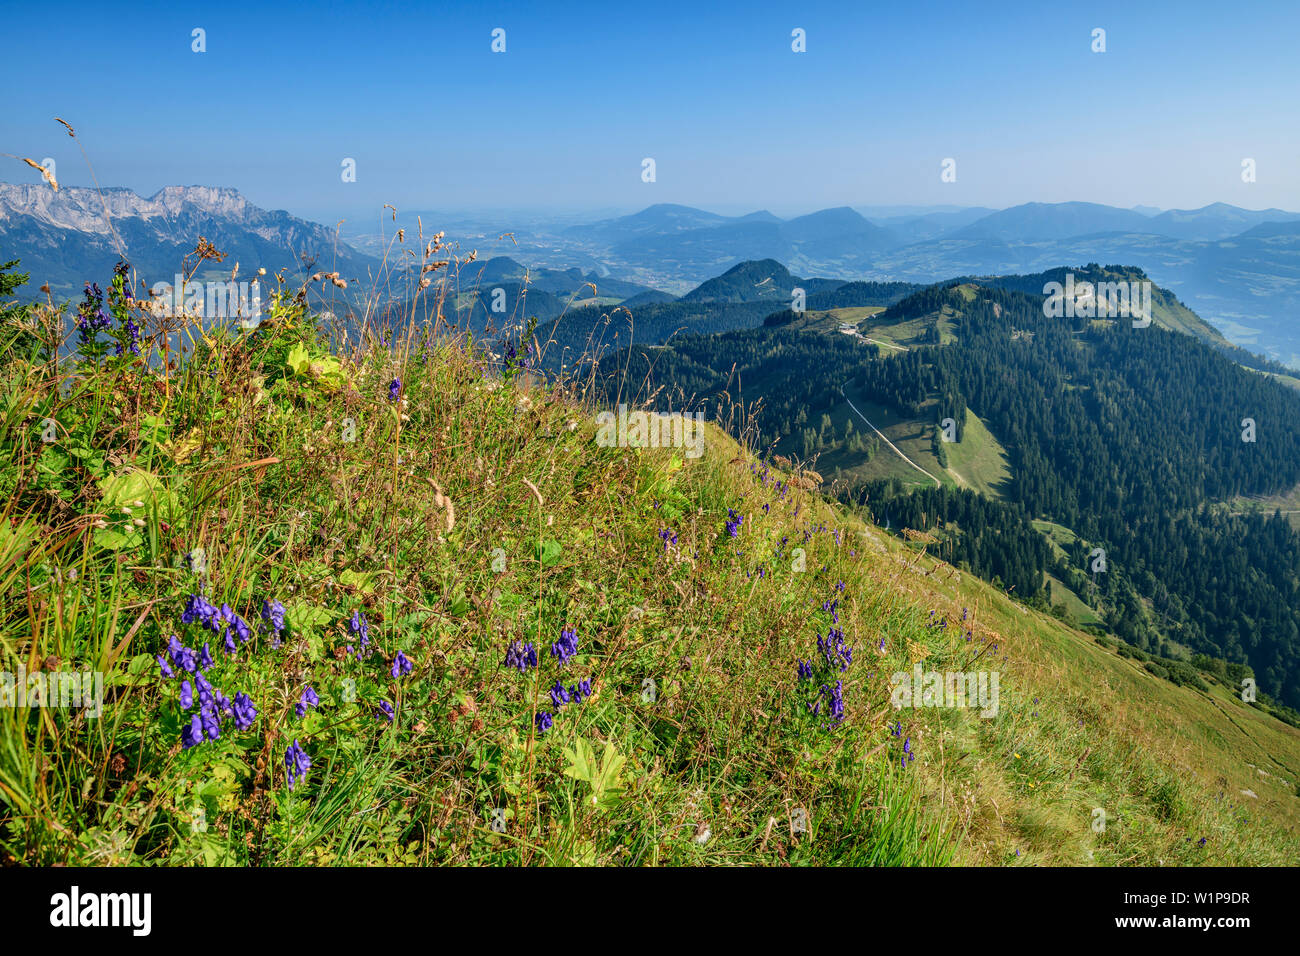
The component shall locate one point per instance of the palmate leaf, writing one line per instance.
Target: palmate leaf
(134, 485)
(125, 490)
(582, 761)
(324, 370)
(605, 780)
(610, 779)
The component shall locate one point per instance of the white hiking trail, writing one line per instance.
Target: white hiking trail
(937, 483)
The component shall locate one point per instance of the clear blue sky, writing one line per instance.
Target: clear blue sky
(734, 119)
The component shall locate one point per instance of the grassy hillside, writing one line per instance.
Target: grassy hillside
(426, 520)
(1167, 310)
(978, 461)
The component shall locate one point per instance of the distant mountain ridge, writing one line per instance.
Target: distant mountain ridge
(63, 237)
(1239, 268)
(1054, 221)
(82, 209)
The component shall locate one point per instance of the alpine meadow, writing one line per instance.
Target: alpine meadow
(730, 450)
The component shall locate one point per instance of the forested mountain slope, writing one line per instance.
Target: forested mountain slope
(1124, 436)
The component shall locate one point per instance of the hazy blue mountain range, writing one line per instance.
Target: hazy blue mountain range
(1238, 268)
(503, 270)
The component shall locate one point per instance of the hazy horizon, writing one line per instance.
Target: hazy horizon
(580, 213)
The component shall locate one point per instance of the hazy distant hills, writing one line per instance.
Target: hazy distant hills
(1239, 268)
(1038, 220)
(917, 227)
(1216, 221)
(1071, 219)
(505, 271)
(696, 243)
(764, 280)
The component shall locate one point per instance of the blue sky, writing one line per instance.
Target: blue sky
(733, 118)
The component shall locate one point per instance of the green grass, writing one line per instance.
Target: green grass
(1059, 535)
(1078, 612)
(978, 461)
(479, 510)
(910, 436)
(1287, 502)
(855, 314)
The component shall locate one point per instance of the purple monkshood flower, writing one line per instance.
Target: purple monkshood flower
(837, 703)
(385, 710)
(165, 667)
(401, 665)
(297, 763)
(230, 624)
(309, 699)
(360, 628)
(205, 656)
(273, 614)
(394, 389)
(91, 318)
(521, 656)
(192, 733)
(734, 521)
(187, 695)
(211, 721)
(244, 711)
(566, 646)
(805, 669)
(241, 627)
(181, 656)
(544, 722)
(581, 690)
(837, 654)
(200, 609)
(559, 696)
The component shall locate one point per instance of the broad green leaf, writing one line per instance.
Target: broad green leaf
(306, 616)
(549, 551)
(582, 761)
(361, 580)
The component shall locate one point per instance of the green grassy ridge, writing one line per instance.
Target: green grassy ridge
(477, 510)
(978, 462)
(1167, 311)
